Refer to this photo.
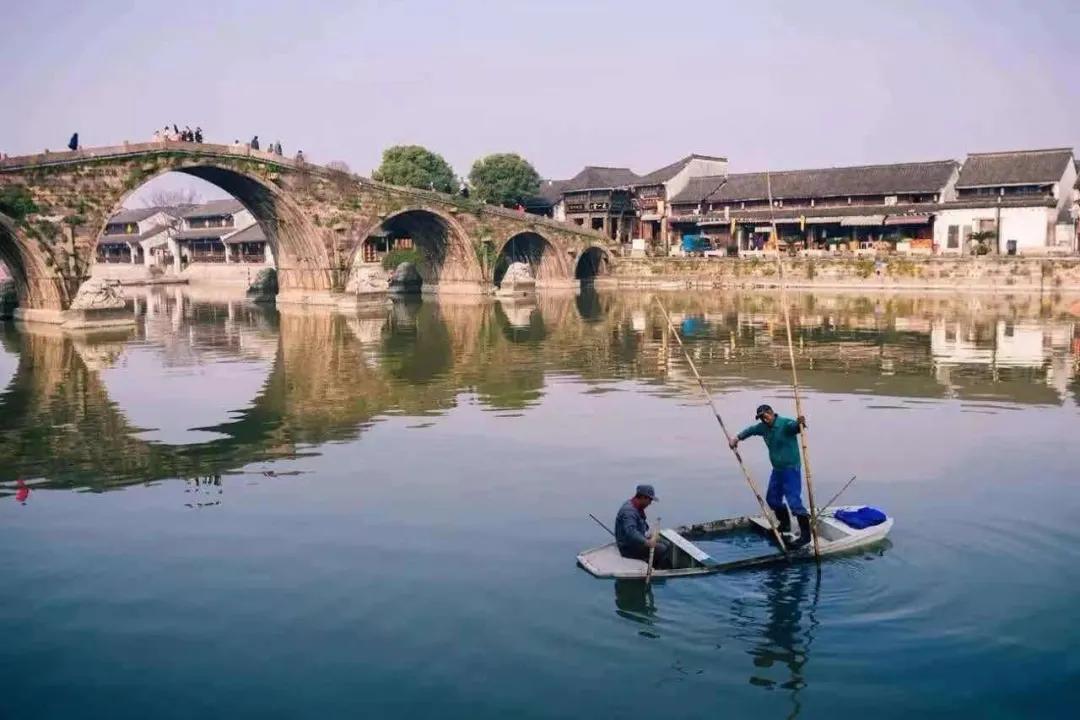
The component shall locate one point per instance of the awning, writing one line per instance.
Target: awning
(651, 217)
(863, 220)
(823, 220)
(907, 219)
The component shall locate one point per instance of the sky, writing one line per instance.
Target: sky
(769, 85)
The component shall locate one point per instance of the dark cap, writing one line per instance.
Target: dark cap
(647, 491)
(762, 409)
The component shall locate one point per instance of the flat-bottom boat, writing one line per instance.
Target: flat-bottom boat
(834, 537)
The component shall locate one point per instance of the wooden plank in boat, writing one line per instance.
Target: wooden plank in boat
(688, 547)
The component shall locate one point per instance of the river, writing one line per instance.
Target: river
(234, 511)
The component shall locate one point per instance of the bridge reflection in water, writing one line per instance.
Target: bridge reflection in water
(76, 415)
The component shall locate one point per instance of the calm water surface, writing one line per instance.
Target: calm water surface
(231, 511)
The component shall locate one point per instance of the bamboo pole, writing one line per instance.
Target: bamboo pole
(727, 435)
(794, 374)
(652, 551)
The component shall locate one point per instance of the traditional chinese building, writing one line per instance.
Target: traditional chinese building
(652, 194)
(131, 236)
(1013, 203)
(601, 198)
(871, 207)
(221, 231)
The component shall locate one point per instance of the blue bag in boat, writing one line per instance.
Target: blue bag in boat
(860, 518)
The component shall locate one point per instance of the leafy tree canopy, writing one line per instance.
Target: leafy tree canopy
(504, 179)
(415, 166)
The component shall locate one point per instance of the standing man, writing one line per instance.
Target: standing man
(785, 482)
(632, 531)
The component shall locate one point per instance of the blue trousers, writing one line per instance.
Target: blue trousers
(786, 484)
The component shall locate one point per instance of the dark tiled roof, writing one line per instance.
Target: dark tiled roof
(699, 188)
(134, 215)
(252, 233)
(598, 178)
(214, 208)
(925, 177)
(1015, 168)
(209, 232)
(133, 237)
(657, 177)
(789, 214)
(551, 192)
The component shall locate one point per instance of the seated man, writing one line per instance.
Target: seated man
(632, 532)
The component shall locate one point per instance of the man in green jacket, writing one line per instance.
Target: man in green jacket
(785, 483)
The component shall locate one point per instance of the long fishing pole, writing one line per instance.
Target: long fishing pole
(727, 435)
(846, 486)
(794, 374)
(606, 527)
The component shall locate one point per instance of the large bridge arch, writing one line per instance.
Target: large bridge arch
(548, 263)
(296, 244)
(446, 247)
(593, 262)
(36, 284)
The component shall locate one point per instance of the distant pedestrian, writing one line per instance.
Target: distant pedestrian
(198, 134)
(236, 145)
(277, 148)
(299, 156)
(255, 143)
(464, 190)
(157, 136)
(73, 143)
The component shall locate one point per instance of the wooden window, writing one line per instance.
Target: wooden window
(954, 237)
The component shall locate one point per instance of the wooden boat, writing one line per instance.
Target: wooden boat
(688, 559)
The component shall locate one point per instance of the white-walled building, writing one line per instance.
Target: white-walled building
(1024, 199)
(130, 236)
(221, 232)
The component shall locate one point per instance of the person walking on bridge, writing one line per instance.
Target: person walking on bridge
(255, 143)
(73, 143)
(785, 482)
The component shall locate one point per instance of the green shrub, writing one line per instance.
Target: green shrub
(394, 258)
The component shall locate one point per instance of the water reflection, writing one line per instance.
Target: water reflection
(783, 647)
(634, 601)
(203, 492)
(253, 384)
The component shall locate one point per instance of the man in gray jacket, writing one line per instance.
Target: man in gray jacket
(632, 531)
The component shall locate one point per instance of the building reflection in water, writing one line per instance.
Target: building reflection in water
(203, 491)
(330, 376)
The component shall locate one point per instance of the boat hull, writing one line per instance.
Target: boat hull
(834, 537)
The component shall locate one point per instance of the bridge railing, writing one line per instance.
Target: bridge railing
(110, 152)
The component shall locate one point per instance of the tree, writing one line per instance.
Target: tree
(982, 240)
(172, 198)
(16, 202)
(504, 179)
(415, 166)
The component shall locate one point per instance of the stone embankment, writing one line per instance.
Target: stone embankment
(1002, 274)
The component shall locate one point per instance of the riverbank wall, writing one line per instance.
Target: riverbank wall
(1005, 274)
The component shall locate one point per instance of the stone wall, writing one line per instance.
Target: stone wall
(1011, 274)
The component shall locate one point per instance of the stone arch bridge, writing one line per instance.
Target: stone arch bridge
(316, 219)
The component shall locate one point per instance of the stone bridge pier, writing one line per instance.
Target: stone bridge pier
(54, 206)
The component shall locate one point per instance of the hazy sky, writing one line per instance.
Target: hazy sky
(564, 83)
